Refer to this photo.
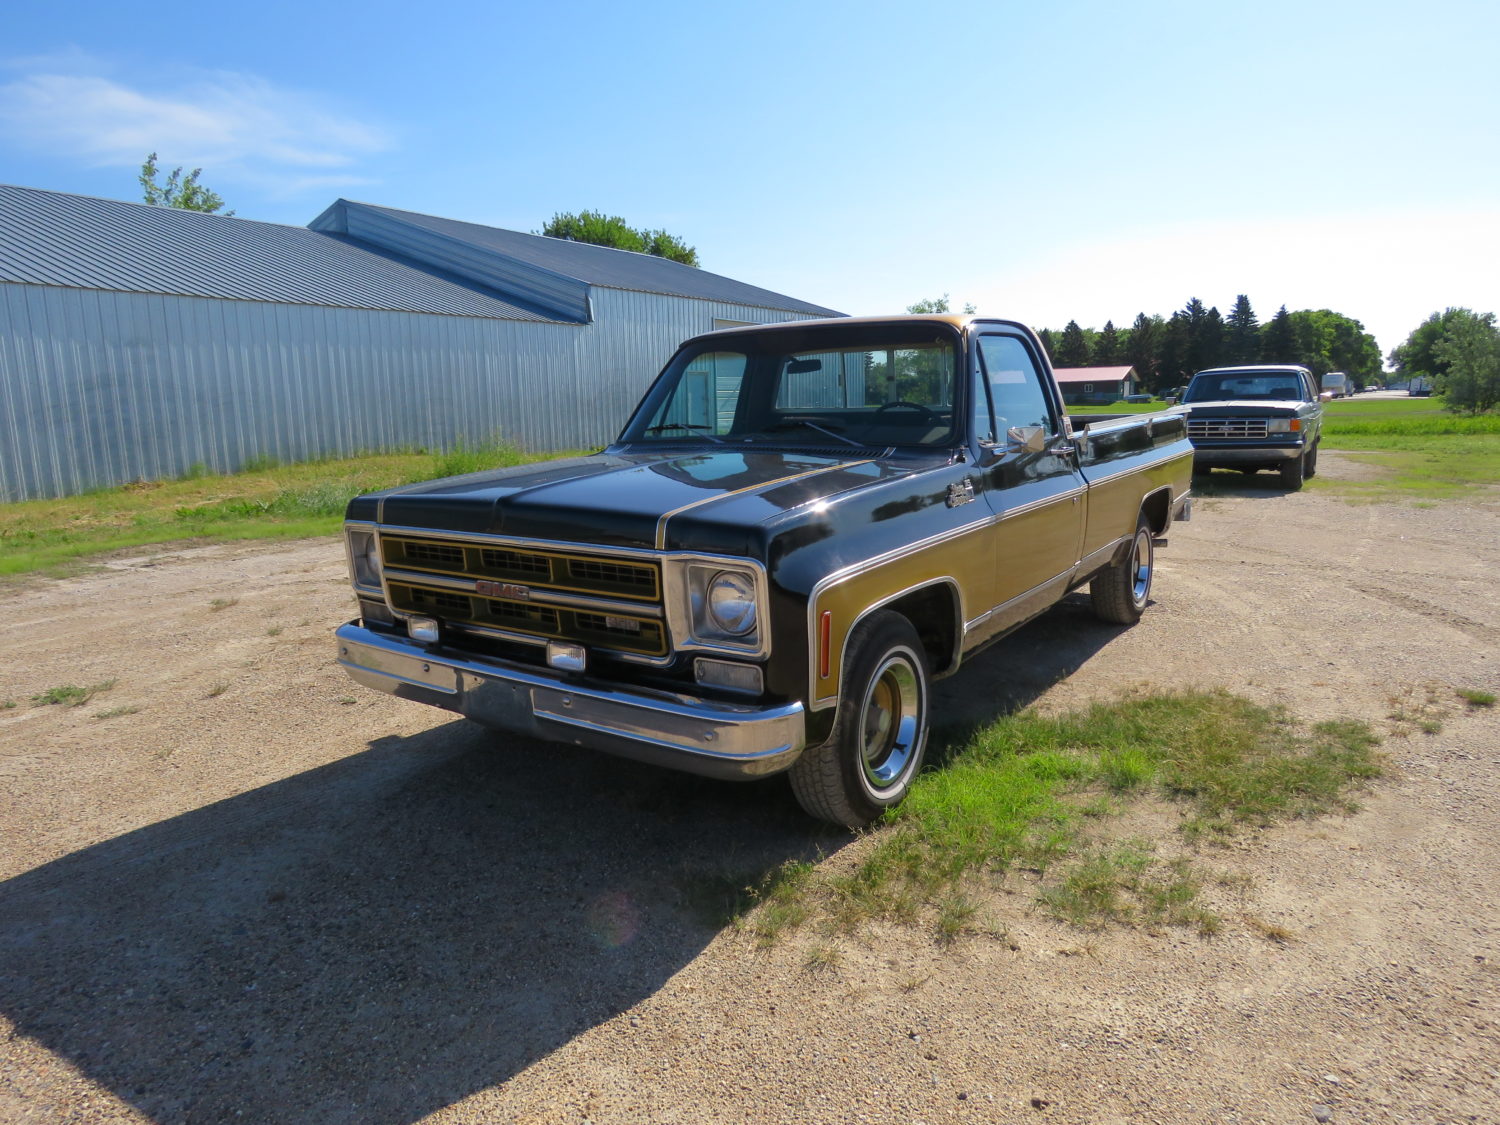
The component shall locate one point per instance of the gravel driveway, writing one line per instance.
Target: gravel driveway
(236, 887)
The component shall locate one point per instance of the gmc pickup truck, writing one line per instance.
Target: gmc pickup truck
(1252, 418)
(801, 526)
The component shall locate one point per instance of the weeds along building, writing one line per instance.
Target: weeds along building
(137, 342)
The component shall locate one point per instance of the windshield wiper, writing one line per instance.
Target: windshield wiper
(792, 423)
(684, 426)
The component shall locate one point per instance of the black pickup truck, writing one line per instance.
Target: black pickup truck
(801, 526)
(1250, 418)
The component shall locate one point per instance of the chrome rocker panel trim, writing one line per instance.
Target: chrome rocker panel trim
(730, 741)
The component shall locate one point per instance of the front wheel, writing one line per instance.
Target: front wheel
(1310, 468)
(1119, 594)
(880, 733)
(1293, 471)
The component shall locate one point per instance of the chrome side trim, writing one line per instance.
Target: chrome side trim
(1046, 501)
(1024, 606)
(1131, 467)
(1098, 558)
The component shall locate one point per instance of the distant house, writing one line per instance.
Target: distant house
(138, 342)
(1082, 385)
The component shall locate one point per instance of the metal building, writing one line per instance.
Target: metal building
(137, 342)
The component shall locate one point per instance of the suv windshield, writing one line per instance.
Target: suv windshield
(824, 388)
(1212, 386)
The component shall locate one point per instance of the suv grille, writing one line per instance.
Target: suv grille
(1231, 429)
(513, 584)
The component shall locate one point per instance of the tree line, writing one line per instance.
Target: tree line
(1165, 351)
(1459, 350)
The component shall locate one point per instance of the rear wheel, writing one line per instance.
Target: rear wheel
(1120, 593)
(880, 733)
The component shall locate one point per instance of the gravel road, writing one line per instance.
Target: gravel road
(236, 887)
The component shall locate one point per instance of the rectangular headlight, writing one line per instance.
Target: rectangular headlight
(364, 558)
(1284, 425)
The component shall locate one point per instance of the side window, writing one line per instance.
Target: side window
(1015, 385)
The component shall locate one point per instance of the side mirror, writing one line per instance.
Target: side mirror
(1033, 439)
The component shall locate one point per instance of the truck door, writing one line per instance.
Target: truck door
(1036, 497)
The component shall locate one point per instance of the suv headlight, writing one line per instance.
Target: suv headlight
(731, 602)
(1283, 425)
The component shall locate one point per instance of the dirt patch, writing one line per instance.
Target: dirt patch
(267, 895)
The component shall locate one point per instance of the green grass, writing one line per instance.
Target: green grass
(269, 501)
(1024, 793)
(1476, 698)
(70, 695)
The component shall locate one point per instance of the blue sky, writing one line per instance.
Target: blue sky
(1043, 161)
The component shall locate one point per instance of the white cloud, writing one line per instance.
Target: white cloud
(237, 124)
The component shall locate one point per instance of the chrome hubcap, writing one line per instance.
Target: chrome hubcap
(890, 725)
(1140, 571)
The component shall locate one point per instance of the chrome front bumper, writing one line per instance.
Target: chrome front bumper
(724, 740)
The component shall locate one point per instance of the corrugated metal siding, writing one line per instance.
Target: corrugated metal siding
(51, 238)
(99, 388)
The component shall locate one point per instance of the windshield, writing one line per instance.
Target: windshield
(1215, 387)
(800, 388)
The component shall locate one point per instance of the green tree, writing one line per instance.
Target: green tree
(1142, 347)
(1205, 344)
(1418, 356)
(1108, 348)
(1278, 339)
(600, 229)
(937, 305)
(1172, 366)
(1073, 348)
(1470, 351)
(1329, 341)
(1049, 345)
(182, 192)
(1242, 332)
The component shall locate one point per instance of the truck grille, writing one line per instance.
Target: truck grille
(513, 587)
(1228, 429)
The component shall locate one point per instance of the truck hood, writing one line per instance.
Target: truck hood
(671, 500)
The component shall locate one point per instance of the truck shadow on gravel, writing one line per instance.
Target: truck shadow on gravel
(376, 939)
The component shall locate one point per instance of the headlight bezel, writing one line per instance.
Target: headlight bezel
(689, 617)
(362, 546)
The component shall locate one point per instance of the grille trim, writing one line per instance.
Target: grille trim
(560, 571)
(603, 601)
(645, 636)
(1227, 429)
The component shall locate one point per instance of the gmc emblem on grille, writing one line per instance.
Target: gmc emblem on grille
(487, 589)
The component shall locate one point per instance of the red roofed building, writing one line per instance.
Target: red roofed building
(1095, 384)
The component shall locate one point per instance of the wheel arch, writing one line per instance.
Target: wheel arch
(935, 610)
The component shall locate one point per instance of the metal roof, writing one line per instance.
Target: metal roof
(52, 238)
(1091, 374)
(601, 265)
